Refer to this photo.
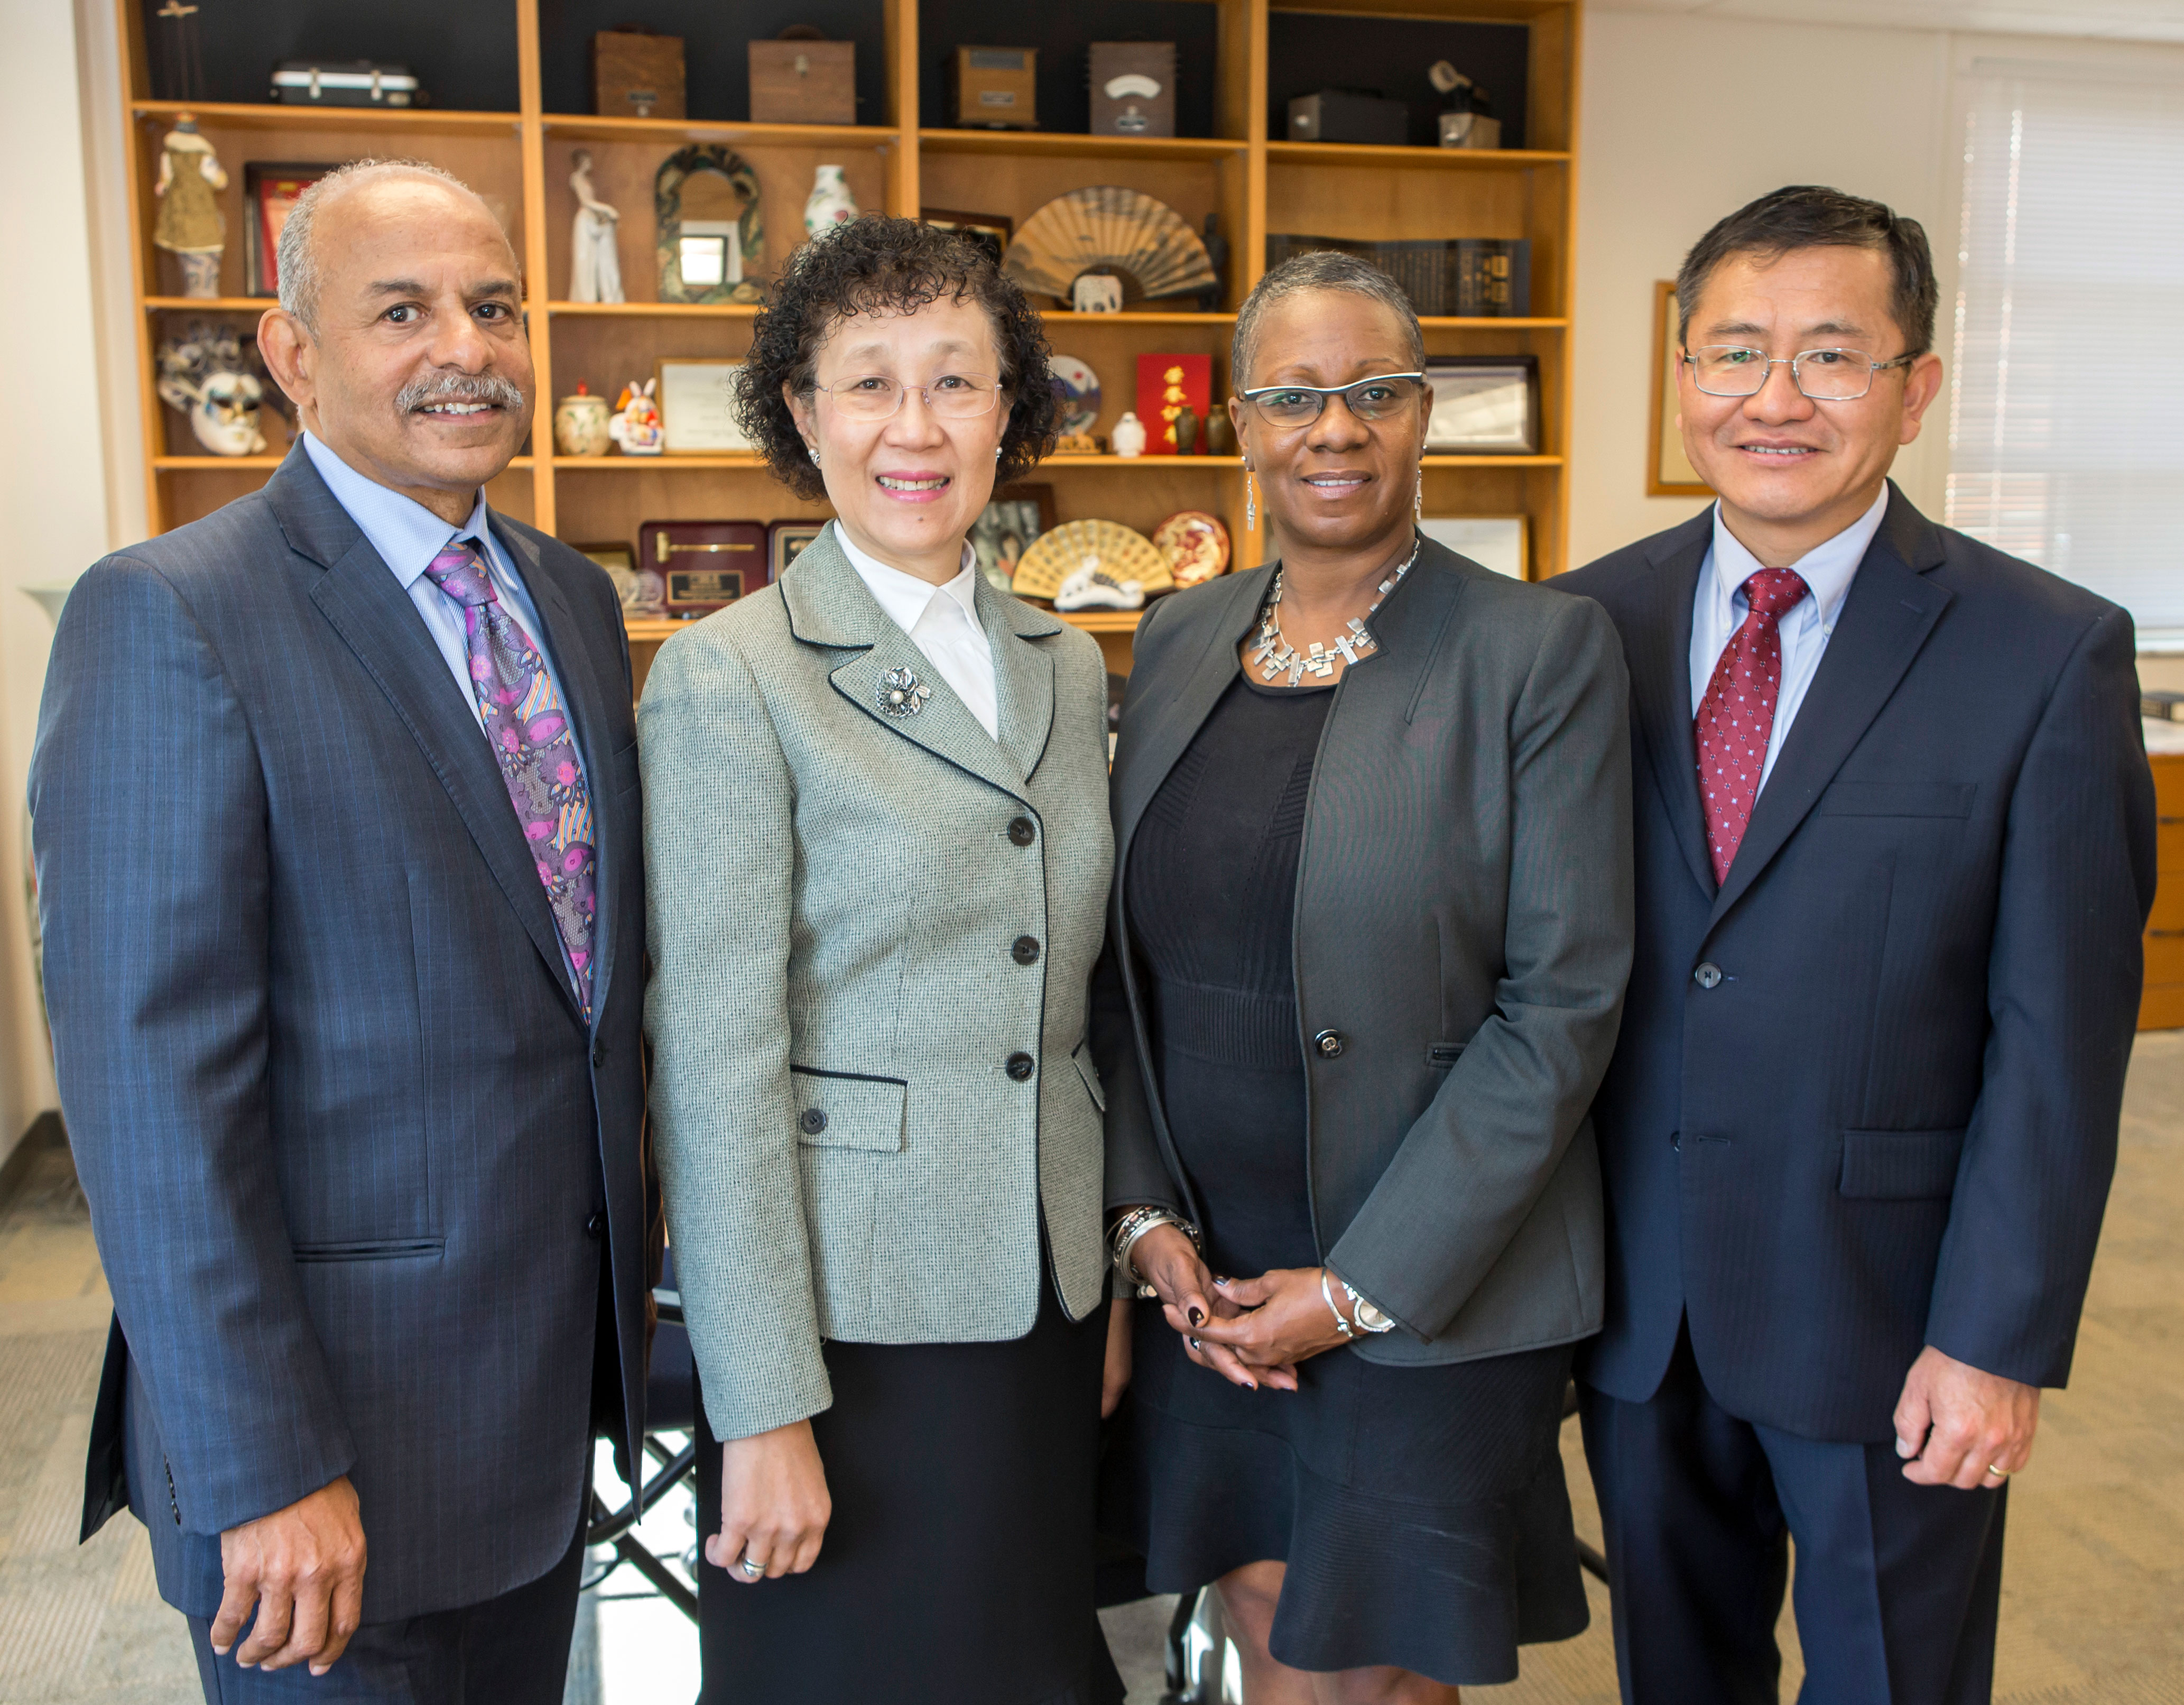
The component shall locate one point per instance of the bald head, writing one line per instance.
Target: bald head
(355, 188)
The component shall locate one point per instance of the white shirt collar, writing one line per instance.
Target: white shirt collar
(1827, 569)
(905, 597)
(406, 534)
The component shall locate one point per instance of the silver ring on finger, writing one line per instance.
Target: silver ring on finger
(1196, 1345)
(751, 1567)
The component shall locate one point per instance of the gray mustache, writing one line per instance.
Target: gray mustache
(459, 388)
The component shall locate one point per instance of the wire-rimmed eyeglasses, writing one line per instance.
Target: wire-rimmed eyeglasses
(1825, 375)
(952, 396)
(1375, 399)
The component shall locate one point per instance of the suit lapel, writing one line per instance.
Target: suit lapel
(1161, 732)
(1023, 673)
(363, 602)
(829, 606)
(1891, 610)
(1658, 642)
(584, 696)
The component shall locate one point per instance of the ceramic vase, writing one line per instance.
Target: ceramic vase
(580, 424)
(1128, 436)
(830, 203)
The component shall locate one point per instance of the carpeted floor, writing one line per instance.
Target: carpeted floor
(2090, 1595)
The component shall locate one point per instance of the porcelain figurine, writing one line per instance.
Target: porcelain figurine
(1097, 293)
(636, 423)
(1092, 588)
(830, 203)
(580, 424)
(594, 241)
(189, 225)
(1128, 436)
(202, 373)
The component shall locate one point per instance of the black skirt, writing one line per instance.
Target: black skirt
(1421, 1511)
(958, 1566)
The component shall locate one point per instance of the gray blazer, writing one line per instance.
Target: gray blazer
(354, 1160)
(861, 921)
(1463, 934)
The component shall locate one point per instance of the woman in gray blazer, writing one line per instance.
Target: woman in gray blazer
(878, 851)
(1370, 926)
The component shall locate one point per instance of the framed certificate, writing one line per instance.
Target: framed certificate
(698, 408)
(1484, 405)
(1494, 542)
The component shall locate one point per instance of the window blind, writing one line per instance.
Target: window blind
(2066, 405)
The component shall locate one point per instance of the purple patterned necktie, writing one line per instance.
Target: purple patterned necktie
(535, 747)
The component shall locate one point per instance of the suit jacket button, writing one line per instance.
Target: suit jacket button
(1022, 832)
(813, 1120)
(1328, 1042)
(1707, 976)
(1019, 1067)
(596, 1226)
(1026, 951)
(599, 1055)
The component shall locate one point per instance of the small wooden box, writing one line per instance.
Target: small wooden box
(1133, 88)
(804, 82)
(706, 566)
(994, 88)
(636, 75)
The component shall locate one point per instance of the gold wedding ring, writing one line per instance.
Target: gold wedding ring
(1999, 1473)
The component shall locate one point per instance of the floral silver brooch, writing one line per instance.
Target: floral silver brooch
(901, 693)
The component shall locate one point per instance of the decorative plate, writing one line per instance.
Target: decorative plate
(1104, 546)
(1077, 386)
(1196, 544)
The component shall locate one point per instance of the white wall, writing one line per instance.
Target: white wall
(57, 513)
(1661, 161)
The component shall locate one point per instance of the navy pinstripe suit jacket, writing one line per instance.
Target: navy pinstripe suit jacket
(1891, 1120)
(343, 1131)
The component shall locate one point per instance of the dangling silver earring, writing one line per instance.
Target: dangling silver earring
(1250, 504)
(1418, 503)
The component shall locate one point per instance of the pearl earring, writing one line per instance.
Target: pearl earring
(1250, 504)
(812, 450)
(997, 452)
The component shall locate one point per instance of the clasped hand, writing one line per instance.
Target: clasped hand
(1252, 1331)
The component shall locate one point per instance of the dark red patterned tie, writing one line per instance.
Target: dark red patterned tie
(1736, 717)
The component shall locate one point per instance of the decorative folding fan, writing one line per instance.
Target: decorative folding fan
(1125, 230)
(1056, 556)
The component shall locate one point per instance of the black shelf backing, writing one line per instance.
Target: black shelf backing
(1063, 34)
(463, 56)
(1308, 52)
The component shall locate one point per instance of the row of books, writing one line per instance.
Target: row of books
(1465, 277)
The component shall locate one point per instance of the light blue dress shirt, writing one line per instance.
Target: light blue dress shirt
(407, 536)
(1721, 606)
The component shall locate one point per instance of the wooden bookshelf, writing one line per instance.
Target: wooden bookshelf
(520, 161)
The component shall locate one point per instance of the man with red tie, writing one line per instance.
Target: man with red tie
(1894, 850)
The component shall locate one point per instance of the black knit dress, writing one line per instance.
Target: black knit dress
(1421, 1510)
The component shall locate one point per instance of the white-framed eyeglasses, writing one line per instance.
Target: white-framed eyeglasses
(1376, 399)
(951, 397)
(1825, 375)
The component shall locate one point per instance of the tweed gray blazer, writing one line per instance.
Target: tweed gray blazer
(844, 901)
(1462, 935)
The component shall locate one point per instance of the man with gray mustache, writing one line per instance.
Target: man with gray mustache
(339, 847)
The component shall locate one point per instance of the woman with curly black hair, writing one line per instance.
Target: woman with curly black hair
(876, 829)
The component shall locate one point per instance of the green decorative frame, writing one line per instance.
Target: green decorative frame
(667, 210)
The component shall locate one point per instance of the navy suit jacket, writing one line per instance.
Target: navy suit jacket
(1866, 1094)
(353, 1158)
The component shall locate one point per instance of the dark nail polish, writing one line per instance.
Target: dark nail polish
(1197, 1317)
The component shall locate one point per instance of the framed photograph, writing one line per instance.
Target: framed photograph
(269, 189)
(1006, 529)
(989, 231)
(1484, 405)
(785, 541)
(1668, 470)
(1491, 541)
(697, 406)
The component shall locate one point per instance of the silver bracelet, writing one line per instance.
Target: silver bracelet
(1341, 1324)
(1132, 1226)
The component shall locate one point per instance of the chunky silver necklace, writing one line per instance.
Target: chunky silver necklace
(1274, 655)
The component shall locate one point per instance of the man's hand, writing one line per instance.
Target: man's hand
(774, 1504)
(303, 1567)
(1956, 1426)
(1115, 1378)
